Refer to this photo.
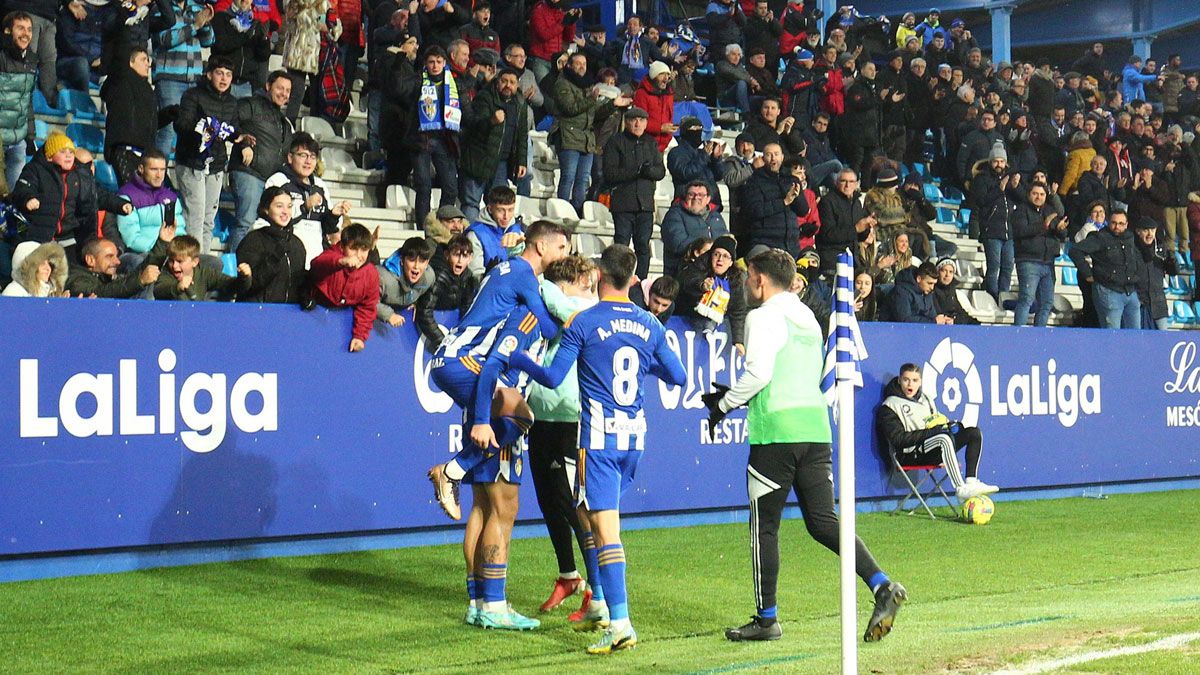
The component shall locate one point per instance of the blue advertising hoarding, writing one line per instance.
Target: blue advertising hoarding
(139, 423)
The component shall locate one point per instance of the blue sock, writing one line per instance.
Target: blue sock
(878, 579)
(495, 578)
(768, 612)
(593, 566)
(472, 594)
(612, 571)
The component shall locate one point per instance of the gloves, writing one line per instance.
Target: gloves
(711, 401)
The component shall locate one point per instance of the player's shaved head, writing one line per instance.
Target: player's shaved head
(544, 230)
(617, 264)
(776, 265)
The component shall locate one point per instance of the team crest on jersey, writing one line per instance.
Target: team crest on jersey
(508, 345)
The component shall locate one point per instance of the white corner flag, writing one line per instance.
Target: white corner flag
(844, 349)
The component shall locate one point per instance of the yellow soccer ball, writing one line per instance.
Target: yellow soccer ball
(978, 510)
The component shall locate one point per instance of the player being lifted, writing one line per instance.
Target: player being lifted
(496, 479)
(616, 345)
(458, 360)
(790, 443)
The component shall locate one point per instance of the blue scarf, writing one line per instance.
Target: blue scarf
(428, 114)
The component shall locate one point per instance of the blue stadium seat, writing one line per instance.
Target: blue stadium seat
(921, 168)
(87, 136)
(221, 225)
(106, 176)
(932, 192)
(80, 105)
(229, 264)
(42, 107)
(964, 220)
(1070, 276)
(946, 216)
(1183, 313)
(952, 195)
(41, 129)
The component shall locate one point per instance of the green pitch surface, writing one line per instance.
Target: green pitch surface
(1045, 580)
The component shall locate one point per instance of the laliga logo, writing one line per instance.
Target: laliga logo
(1040, 391)
(205, 428)
(960, 356)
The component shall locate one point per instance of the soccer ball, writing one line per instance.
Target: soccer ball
(978, 510)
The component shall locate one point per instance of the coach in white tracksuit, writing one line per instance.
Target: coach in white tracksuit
(919, 434)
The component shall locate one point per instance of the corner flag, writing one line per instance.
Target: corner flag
(844, 347)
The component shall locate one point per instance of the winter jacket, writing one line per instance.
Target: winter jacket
(687, 163)
(1114, 262)
(839, 215)
(1041, 95)
(725, 22)
(909, 304)
(1149, 202)
(1033, 241)
(577, 110)
(486, 236)
(302, 34)
(681, 227)
(860, 124)
(248, 49)
(205, 280)
(764, 34)
(764, 133)
(945, 301)
(132, 108)
(277, 262)
(439, 26)
(337, 286)
(350, 16)
(484, 143)
(975, 146)
(310, 225)
(83, 281)
(632, 165)
(272, 131)
(888, 207)
(1079, 161)
(660, 105)
(480, 37)
(729, 75)
(691, 288)
(1133, 83)
(18, 73)
(1091, 188)
(764, 217)
(61, 207)
(901, 421)
(139, 229)
(46, 9)
(448, 292)
(994, 205)
(177, 54)
(1157, 264)
(396, 294)
(199, 102)
(800, 86)
(26, 259)
(550, 29)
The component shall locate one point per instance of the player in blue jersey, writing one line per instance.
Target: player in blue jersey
(616, 344)
(458, 359)
(496, 479)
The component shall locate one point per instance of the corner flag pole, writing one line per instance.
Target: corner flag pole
(844, 349)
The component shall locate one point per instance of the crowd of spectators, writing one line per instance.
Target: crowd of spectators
(839, 131)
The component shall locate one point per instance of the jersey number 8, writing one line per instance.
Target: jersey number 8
(625, 368)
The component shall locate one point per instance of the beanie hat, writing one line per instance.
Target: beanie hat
(803, 55)
(727, 242)
(56, 141)
(948, 261)
(887, 178)
(658, 68)
(998, 152)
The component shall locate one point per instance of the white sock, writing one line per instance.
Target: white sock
(500, 607)
(474, 604)
(454, 471)
(569, 575)
(619, 625)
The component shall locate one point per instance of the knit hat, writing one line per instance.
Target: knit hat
(846, 57)
(658, 68)
(1003, 65)
(947, 261)
(690, 122)
(998, 152)
(887, 178)
(56, 141)
(809, 259)
(727, 242)
(804, 55)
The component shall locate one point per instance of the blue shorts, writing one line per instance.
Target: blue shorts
(603, 476)
(458, 381)
(506, 464)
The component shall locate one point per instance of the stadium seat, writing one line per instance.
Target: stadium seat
(41, 107)
(229, 264)
(1177, 285)
(926, 488)
(106, 176)
(1070, 276)
(932, 192)
(317, 127)
(561, 210)
(224, 220)
(528, 209)
(80, 106)
(986, 305)
(946, 216)
(589, 245)
(597, 216)
(1183, 313)
(87, 136)
(952, 195)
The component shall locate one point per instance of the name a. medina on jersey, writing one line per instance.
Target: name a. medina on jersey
(116, 409)
(624, 326)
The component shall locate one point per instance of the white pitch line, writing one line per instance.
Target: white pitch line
(1173, 642)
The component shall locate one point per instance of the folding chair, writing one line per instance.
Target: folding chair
(932, 474)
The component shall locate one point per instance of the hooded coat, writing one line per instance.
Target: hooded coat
(26, 259)
(901, 421)
(659, 104)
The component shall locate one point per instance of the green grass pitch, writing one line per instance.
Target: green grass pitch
(1044, 580)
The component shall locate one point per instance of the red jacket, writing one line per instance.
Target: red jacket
(660, 106)
(810, 223)
(350, 12)
(337, 286)
(547, 32)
